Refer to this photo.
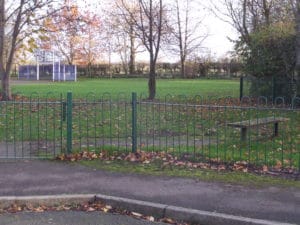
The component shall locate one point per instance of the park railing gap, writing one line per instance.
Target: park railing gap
(255, 131)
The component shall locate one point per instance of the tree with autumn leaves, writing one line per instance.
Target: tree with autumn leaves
(18, 22)
(74, 34)
(49, 25)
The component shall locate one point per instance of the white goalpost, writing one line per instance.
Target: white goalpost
(46, 59)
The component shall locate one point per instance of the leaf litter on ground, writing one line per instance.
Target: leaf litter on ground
(184, 161)
(93, 206)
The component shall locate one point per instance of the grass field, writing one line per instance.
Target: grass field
(115, 86)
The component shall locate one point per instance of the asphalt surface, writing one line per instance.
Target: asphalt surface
(50, 178)
(71, 218)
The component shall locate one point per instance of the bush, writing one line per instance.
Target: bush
(271, 51)
(270, 55)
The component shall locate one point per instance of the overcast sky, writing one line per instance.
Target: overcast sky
(219, 31)
(216, 44)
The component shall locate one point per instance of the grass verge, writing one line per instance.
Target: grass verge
(157, 169)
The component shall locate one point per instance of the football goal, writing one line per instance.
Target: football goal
(48, 67)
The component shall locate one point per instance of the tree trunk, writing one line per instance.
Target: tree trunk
(182, 68)
(132, 52)
(132, 62)
(297, 70)
(89, 69)
(5, 88)
(4, 66)
(180, 40)
(152, 81)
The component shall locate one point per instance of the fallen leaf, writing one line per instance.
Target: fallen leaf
(150, 218)
(167, 220)
(265, 168)
(135, 214)
(245, 170)
(108, 207)
(39, 209)
(91, 209)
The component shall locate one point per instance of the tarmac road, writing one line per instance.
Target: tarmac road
(54, 178)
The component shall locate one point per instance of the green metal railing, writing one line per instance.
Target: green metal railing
(271, 87)
(195, 128)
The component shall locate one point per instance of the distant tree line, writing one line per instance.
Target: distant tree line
(193, 69)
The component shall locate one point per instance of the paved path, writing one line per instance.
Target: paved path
(47, 178)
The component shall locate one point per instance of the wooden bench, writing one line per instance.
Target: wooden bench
(246, 124)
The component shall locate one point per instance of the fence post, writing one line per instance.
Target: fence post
(134, 122)
(241, 88)
(273, 89)
(69, 122)
(64, 110)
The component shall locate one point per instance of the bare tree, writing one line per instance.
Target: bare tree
(186, 38)
(248, 16)
(18, 21)
(130, 32)
(149, 26)
(123, 31)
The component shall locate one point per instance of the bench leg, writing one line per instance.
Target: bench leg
(243, 134)
(275, 129)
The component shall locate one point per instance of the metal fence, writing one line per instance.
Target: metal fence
(271, 87)
(195, 128)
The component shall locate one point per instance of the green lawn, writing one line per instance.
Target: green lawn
(82, 88)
